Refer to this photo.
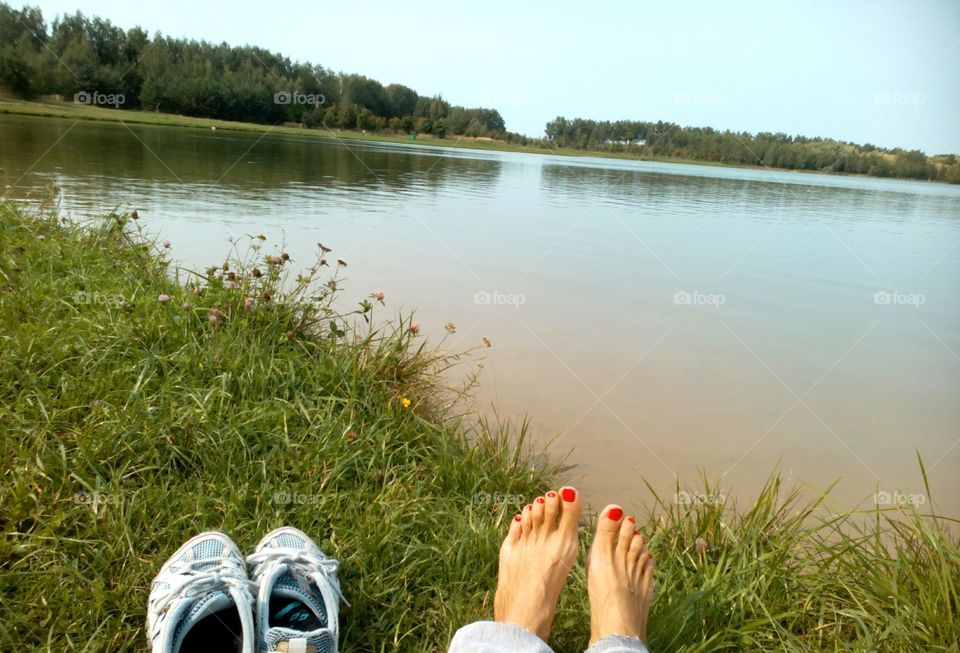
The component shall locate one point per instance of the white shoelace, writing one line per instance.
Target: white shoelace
(321, 569)
(196, 581)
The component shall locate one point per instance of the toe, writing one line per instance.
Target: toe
(636, 547)
(526, 519)
(515, 529)
(536, 516)
(608, 526)
(638, 556)
(551, 509)
(569, 510)
(625, 537)
(647, 579)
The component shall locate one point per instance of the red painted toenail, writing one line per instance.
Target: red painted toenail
(529, 506)
(540, 499)
(569, 494)
(615, 514)
(551, 494)
(517, 518)
(631, 519)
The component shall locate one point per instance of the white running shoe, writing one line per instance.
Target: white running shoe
(202, 599)
(298, 603)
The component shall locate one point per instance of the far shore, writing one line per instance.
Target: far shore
(71, 111)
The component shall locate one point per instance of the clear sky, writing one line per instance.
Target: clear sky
(866, 71)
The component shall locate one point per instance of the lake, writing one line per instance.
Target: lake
(653, 320)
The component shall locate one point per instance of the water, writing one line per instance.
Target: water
(654, 320)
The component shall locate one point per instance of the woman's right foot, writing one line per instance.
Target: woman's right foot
(619, 578)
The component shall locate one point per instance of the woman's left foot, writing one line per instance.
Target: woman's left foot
(536, 559)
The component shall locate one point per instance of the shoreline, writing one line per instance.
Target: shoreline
(71, 111)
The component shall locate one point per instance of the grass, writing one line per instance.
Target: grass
(132, 423)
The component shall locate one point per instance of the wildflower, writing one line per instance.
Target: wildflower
(486, 342)
(266, 297)
(198, 292)
(290, 336)
(284, 257)
(323, 261)
(261, 237)
(341, 262)
(414, 328)
(248, 303)
(163, 298)
(186, 306)
(231, 285)
(226, 266)
(166, 244)
(450, 327)
(232, 276)
(405, 402)
(256, 273)
(211, 270)
(135, 215)
(379, 295)
(214, 316)
(701, 546)
(219, 276)
(324, 248)
(41, 237)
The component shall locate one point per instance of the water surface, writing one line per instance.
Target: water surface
(653, 320)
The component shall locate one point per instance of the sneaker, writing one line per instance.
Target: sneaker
(202, 599)
(298, 603)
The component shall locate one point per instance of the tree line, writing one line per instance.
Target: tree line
(669, 140)
(92, 61)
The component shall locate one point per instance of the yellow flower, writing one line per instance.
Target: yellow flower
(405, 402)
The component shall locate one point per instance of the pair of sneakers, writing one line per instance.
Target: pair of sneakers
(204, 600)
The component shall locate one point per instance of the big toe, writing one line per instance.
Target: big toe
(608, 527)
(569, 510)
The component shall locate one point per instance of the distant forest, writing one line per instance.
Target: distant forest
(89, 60)
(665, 139)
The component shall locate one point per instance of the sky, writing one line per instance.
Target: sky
(879, 72)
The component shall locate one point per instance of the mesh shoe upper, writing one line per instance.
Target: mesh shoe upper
(299, 594)
(207, 575)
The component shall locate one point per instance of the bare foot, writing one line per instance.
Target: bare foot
(619, 578)
(535, 561)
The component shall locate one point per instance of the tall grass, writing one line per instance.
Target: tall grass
(245, 402)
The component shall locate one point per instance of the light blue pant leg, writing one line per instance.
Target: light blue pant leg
(492, 637)
(618, 644)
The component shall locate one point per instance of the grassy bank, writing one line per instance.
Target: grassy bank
(141, 406)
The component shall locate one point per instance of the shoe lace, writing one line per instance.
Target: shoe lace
(221, 574)
(301, 563)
